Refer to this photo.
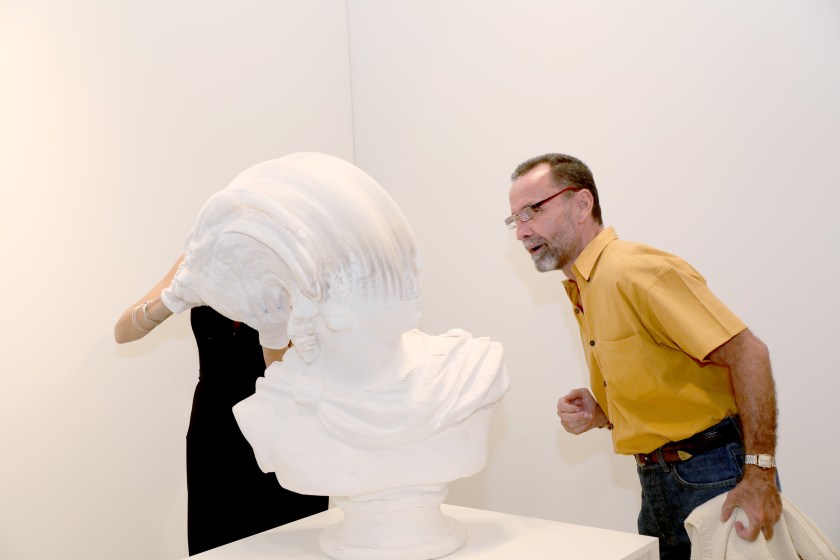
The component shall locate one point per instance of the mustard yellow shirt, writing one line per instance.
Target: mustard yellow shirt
(647, 323)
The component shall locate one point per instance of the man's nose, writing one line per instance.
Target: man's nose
(523, 231)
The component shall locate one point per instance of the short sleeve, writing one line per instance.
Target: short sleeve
(684, 312)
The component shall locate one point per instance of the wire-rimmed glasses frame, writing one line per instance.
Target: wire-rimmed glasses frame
(528, 212)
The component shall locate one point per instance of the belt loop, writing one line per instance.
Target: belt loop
(736, 421)
(661, 461)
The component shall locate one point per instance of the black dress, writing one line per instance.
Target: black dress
(229, 497)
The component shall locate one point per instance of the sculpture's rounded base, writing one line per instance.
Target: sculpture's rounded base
(404, 527)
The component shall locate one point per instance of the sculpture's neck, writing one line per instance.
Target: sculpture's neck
(354, 362)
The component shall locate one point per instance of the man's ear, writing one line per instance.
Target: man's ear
(584, 201)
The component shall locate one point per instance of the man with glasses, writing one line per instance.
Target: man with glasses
(682, 383)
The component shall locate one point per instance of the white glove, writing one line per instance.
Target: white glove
(180, 295)
(270, 313)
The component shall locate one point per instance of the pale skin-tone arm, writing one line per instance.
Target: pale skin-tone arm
(271, 355)
(755, 395)
(125, 330)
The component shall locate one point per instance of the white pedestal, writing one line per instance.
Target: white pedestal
(490, 536)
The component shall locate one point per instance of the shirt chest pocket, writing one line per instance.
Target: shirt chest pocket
(626, 367)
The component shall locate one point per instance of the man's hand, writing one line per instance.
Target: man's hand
(758, 496)
(580, 412)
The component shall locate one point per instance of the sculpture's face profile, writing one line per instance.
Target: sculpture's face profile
(302, 329)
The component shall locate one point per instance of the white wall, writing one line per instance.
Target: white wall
(117, 121)
(712, 130)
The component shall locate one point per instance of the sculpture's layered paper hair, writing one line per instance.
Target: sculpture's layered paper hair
(316, 227)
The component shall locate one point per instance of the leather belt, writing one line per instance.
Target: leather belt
(726, 431)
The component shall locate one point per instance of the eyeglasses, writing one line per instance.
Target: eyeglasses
(528, 212)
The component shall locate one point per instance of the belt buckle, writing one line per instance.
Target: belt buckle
(643, 459)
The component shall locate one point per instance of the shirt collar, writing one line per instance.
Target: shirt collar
(585, 262)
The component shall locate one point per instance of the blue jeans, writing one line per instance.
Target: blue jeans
(670, 492)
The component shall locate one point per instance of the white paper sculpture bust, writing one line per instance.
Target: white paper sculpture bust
(366, 408)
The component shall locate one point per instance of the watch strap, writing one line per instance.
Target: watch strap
(761, 460)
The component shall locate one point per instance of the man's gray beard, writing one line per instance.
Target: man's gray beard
(549, 260)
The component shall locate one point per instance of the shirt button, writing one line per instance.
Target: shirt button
(591, 343)
(605, 383)
(577, 310)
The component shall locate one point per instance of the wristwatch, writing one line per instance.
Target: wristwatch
(761, 460)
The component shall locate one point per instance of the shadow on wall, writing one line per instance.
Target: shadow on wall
(588, 447)
(473, 491)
